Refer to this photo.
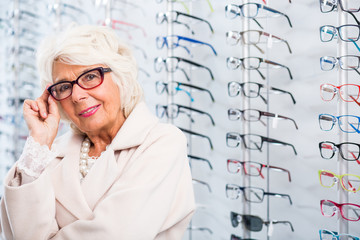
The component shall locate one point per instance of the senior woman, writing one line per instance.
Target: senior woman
(119, 174)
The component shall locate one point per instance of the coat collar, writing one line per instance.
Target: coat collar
(78, 198)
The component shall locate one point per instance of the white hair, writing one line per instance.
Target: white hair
(90, 45)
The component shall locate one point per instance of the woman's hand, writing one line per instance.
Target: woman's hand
(42, 118)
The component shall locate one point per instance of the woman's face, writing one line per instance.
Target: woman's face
(95, 110)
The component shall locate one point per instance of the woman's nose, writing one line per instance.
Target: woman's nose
(78, 93)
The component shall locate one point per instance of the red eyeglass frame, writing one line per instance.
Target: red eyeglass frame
(339, 206)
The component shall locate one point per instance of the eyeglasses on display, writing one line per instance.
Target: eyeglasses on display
(347, 32)
(252, 168)
(201, 229)
(195, 134)
(185, 6)
(349, 182)
(172, 111)
(251, 10)
(196, 181)
(251, 194)
(347, 92)
(253, 223)
(173, 17)
(172, 88)
(348, 62)
(253, 63)
(331, 5)
(330, 235)
(123, 26)
(253, 37)
(87, 80)
(192, 157)
(252, 141)
(253, 115)
(348, 211)
(173, 41)
(348, 151)
(252, 90)
(172, 64)
(347, 123)
(234, 237)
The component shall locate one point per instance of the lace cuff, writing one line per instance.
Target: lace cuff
(34, 158)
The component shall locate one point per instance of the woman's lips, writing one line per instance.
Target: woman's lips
(89, 111)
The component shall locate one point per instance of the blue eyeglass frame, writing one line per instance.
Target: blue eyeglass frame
(335, 234)
(177, 44)
(337, 119)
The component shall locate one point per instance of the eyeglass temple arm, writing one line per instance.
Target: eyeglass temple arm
(356, 45)
(278, 38)
(275, 11)
(198, 111)
(199, 135)
(198, 65)
(202, 229)
(186, 25)
(279, 169)
(197, 41)
(198, 88)
(271, 140)
(284, 222)
(268, 114)
(280, 90)
(279, 195)
(200, 159)
(202, 183)
(197, 18)
(356, 20)
(278, 64)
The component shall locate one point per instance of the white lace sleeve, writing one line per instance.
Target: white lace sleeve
(34, 158)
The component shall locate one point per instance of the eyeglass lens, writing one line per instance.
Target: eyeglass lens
(348, 151)
(348, 92)
(348, 211)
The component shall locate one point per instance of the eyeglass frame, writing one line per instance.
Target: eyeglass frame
(337, 91)
(337, 62)
(337, 33)
(337, 119)
(339, 206)
(339, 177)
(242, 189)
(200, 159)
(338, 2)
(199, 135)
(263, 139)
(261, 113)
(102, 71)
(336, 235)
(338, 146)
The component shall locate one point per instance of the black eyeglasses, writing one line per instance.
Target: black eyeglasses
(174, 87)
(253, 63)
(192, 157)
(253, 223)
(250, 10)
(252, 37)
(252, 90)
(347, 33)
(198, 135)
(253, 115)
(251, 194)
(87, 80)
(172, 64)
(331, 5)
(348, 151)
(172, 111)
(252, 141)
(173, 17)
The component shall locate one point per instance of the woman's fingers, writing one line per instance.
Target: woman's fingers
(42, 103)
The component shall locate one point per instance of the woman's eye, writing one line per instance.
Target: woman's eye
(90, 77)
(64, 87)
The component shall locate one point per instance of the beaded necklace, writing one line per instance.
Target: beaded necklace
(86, 162)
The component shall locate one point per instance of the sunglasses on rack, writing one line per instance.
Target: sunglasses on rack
(174, 41)
(348, 151)
(347, 92)
(253, 63)
(192, 157)
(252, 141)
(347, 123)
(254, 223)
(173, 17)
(348, 211)
(173, 63)
(331, 235)
(173, 87)
(87, 80)
(195, 134)
(348, 62)
(251, 10)
(253, 37)
(172, 111)
(252, 168)
(253, 115)
(349, 182)
(347, 32)
(251, 194)
(252, 90)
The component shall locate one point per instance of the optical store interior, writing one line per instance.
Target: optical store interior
(266, 92)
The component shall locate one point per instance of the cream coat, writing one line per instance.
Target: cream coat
(139, 189)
